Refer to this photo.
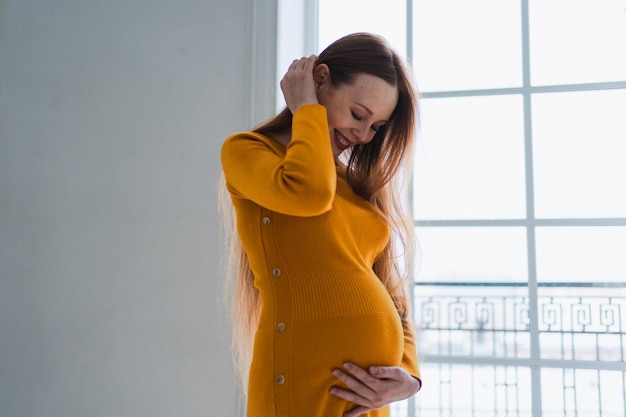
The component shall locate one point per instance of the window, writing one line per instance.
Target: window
(522, 294)
(519, 199)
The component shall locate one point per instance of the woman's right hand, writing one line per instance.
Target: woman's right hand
(298, 85)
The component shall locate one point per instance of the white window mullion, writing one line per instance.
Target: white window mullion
(533, 293)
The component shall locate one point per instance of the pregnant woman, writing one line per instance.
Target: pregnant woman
(321, 242)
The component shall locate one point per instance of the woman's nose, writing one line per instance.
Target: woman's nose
(360, 134)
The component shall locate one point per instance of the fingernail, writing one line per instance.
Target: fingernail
(347, 365)
(374, 370)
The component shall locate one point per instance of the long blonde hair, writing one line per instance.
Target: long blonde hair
(378, 171)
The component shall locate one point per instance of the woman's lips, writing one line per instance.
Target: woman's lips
(341, 141)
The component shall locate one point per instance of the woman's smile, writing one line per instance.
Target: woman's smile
(341, 141)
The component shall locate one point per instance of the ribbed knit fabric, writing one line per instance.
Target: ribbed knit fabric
(311, 243)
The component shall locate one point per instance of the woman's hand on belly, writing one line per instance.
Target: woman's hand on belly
(374, 388)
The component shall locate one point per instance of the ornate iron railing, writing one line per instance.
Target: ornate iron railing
(484, 354)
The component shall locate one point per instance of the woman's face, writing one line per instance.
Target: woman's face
(354, 111)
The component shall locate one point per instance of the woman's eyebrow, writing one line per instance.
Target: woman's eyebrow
(365, 107)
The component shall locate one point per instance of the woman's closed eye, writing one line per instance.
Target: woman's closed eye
(360, 119)
(357, 117)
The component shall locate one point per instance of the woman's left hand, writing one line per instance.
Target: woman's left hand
(374, 388)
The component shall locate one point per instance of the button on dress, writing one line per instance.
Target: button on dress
(311, 244)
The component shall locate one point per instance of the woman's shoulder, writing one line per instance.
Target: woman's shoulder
(248, 135)
(241, 141)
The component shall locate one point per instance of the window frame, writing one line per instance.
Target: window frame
(307, 44)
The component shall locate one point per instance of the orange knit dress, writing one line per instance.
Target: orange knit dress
(311, 243)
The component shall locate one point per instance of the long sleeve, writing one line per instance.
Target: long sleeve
(409, 357)
(302, 182)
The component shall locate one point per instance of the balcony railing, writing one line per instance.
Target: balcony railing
(491, 349)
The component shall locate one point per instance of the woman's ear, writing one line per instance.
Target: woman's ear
(321, 76)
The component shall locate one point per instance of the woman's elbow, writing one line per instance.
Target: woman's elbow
(316, 202)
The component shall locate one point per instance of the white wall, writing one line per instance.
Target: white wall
(112, 114)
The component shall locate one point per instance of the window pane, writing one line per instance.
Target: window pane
(473, 320)
(474, 390)
(477, 254)
(579, 41)
(581, 254)
(341, 17)
(579, 146)
(470, 159)
(582, 392)
(585, 323)
(460, 45)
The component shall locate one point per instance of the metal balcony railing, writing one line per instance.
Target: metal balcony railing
(491, 349)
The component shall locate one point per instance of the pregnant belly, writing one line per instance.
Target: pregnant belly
(329, 318)
(344, 316)
(321, 346)
(318, 347)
